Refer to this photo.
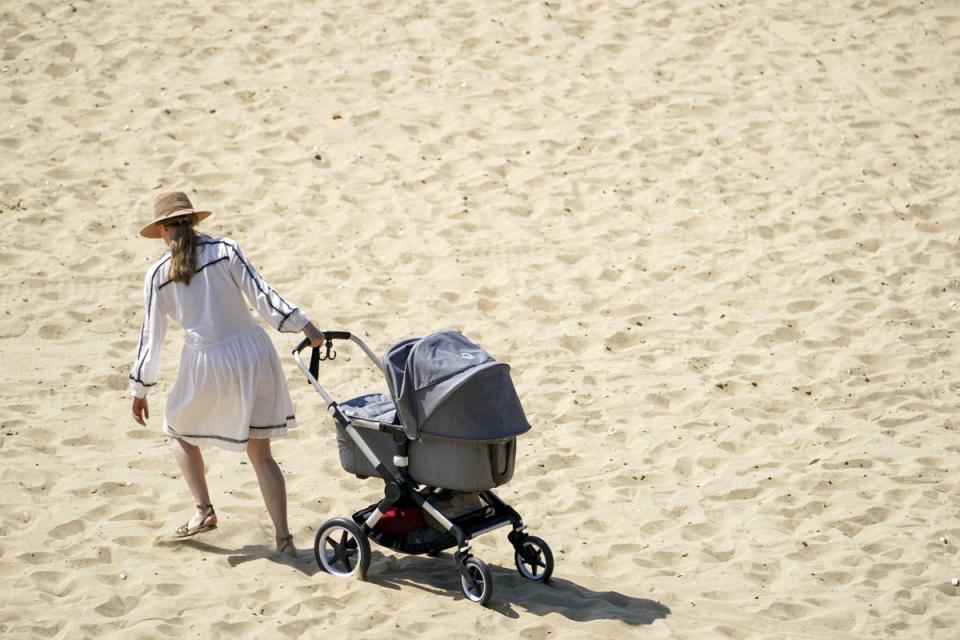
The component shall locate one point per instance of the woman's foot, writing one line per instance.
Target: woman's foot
(285, 546)
(204, 519)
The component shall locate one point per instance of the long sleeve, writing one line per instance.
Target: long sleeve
(146, 367)
(278, 313)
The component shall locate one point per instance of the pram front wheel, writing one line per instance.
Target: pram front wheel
(534, 559)
(342, 549)
(477, 583)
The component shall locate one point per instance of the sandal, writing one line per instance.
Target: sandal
(285, 543)
(208, 522)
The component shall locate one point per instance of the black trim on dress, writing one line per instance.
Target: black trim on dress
(284, 319)
(224, 438)
(196, 271)
(276, 426)
(191, 435)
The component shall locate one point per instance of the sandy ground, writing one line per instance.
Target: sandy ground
(717, 241)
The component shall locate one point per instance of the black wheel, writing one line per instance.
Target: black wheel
(479, 586)
(534, 559)
(342, 549)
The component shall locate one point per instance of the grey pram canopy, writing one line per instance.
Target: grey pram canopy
(445, 386)
(457, 406)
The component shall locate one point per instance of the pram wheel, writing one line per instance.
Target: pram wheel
(342, 549)
(534, 559)
(478, 587)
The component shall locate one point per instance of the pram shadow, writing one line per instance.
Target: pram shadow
(438, 576)
(512, 593)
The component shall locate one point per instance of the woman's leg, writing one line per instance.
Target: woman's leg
(190, 461)
(274, 491)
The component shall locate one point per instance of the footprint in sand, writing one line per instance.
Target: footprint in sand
(51, 331)
(67, 529)
(39, 557)
(168, 589)
(623, 340)
(91, 263)
(787, 611)
(802, 306)
(132, 514)
(117, 606)
(55, 583)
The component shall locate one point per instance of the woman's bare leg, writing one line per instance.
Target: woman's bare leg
(274, 491)
(190, 460)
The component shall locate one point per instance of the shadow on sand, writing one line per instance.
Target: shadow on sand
(438, 576)
(304, 562)
(512, 593)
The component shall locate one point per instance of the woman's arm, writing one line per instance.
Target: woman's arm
(278, 313)
(146, 367)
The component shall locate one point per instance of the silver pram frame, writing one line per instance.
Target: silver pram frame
(472, 450)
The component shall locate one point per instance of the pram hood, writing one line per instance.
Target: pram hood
(445, 386)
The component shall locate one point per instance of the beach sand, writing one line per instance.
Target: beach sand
(717, 241)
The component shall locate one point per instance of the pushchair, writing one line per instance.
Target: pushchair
(441, 441)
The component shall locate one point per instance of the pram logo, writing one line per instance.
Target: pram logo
(466, 355)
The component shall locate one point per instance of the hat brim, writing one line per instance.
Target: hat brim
(152, 230)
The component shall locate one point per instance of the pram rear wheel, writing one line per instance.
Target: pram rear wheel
(342, 549)
(534, 559)
(479, 586)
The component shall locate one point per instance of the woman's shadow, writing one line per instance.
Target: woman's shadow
(438, 576)
(304, 561)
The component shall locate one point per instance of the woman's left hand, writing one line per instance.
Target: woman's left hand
(141, 410)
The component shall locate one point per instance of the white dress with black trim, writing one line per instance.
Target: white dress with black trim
(230, 385)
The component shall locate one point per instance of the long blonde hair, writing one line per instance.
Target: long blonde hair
(183, 248)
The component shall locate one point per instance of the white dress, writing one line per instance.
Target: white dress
(230, 385)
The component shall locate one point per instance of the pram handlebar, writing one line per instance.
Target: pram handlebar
(330, 337)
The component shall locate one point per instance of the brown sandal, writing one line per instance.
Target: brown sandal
(284, 543)
(185, 530)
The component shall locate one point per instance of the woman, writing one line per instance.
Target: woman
(230, 389)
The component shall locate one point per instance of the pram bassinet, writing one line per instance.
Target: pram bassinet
(458, 408)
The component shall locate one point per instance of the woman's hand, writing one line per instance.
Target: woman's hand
(141, 411)
(314, 335)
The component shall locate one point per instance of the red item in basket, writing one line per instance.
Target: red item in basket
(398, 522)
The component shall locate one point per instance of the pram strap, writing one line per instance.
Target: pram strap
(315, 362)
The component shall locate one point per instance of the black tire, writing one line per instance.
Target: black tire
(534, 559)
(342, 549)
(479, 588)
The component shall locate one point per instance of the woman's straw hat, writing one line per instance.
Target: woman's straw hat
(170, 205)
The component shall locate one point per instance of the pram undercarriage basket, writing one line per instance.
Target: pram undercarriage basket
(441, 441)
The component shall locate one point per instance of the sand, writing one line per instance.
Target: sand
(717, 241)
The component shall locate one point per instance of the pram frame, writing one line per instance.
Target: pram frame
(399, 484)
